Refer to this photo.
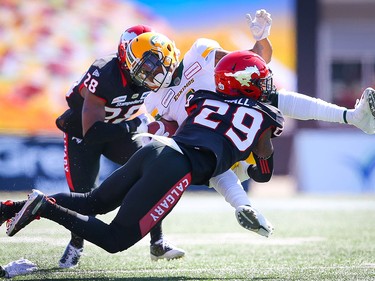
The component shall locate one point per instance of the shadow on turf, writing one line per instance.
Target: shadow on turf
(181, 278)
(147, 279)
(42, 272)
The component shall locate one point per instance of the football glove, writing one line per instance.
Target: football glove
(19, 267)
(260, 26)
(137, 124)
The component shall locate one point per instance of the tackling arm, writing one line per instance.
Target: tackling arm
(95, 130)
(92, 110)
(263, 155)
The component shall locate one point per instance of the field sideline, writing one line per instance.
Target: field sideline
(315, 238)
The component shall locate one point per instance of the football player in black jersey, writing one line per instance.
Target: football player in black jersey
(97, 123)
(222, 128)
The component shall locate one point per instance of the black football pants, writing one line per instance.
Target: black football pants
(146, 189)
(82, 161)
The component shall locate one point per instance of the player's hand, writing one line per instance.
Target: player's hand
(137, 124)
(143, 126)
(19, 267)
(260, 26)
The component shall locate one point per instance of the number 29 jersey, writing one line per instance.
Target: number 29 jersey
(230, 127)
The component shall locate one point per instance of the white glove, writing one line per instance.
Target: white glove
(260, 26)
(145, 120)
(19, 267)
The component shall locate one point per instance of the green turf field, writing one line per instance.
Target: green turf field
(315, 238)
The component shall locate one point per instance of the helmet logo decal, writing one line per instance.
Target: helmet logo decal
(244, 76)
(157, 41)
(127, 36)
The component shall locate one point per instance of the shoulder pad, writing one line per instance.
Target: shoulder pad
(204, 47)
(276, 117)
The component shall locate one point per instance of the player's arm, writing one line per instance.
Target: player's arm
(264, 49)
(260, 28)
(263, 156)
(95, 130)
(92, 111)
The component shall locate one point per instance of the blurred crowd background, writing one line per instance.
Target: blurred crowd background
(46, 45)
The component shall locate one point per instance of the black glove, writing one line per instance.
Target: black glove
(131, 125)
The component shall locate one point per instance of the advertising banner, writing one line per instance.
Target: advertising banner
(36, 162)
(334, 161)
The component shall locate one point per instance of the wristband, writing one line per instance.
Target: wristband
(344, 116)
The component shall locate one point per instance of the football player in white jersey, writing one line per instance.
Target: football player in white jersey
(153, 61)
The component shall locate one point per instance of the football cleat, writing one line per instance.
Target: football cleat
(252, 220)
(29, 212)
(5, 211)
(70, 257)
(162, 249)
(363, 115)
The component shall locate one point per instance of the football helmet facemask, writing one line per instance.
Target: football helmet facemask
(244, 73)
(128, 35)
(152, 59)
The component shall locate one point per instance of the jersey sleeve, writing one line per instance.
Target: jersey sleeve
(274, 117)
(96, 81)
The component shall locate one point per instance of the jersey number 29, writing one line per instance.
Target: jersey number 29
(216, 107)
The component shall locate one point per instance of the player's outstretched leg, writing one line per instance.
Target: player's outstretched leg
(363, 115)
(251, 219)
(162, 249)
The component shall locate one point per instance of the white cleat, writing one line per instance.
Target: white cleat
(252, 220)
(71, 257)
(363, 114)
(162, 249)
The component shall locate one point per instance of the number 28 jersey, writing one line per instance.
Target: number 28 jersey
(230, 127)
(106, 80)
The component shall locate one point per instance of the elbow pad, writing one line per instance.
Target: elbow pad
(263, 170)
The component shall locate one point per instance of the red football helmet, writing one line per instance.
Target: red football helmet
(125, 39)
(244, 73)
